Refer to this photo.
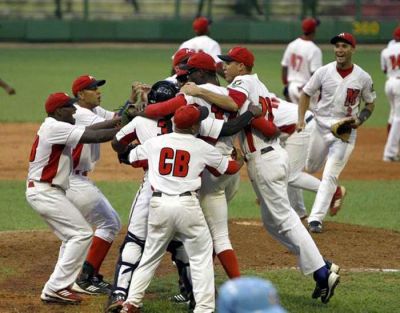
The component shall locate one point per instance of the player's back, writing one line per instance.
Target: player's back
(203, 43)
(302, 58)
(391, 60)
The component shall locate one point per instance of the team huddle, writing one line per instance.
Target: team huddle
(182, 131)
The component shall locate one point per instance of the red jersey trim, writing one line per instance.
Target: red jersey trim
(76, 154)
(140, 163)
(127, 139)
(50, 170)
(345, 72)
(237, 96)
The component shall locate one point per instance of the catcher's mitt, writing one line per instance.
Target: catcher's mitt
(342, 129)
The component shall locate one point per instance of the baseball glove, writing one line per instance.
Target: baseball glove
(130, 110)
(342, 129)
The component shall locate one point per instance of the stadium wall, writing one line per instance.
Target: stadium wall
(176, 31)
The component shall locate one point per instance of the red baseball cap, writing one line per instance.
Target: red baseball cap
(182, 55)
(85, 82)
(188, 115)
(200, 25)
(201, 61)
(309, 25)
(344, 37)
(240, 55)
(58, 100)
(396, 33)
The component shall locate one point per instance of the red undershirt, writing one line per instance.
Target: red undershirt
(345, 72)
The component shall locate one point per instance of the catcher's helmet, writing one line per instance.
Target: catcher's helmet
(161, 91)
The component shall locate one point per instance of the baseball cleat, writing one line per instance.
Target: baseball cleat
(327, 292)
(337, 200)
(180, 299)
(332, 267)
(63, 296)
(129, 308)
(392, 159)
(116, 303)
(88, 287)
(315, 227)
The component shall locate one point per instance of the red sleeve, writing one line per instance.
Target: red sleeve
(237, 96)
(267, 128)
(162, 109)
(140, 163)
(233, 167)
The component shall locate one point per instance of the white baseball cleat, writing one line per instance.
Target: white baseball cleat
(63, 296)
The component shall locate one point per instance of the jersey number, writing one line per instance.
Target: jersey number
(296, 61)
(395, 60)
(175, 162)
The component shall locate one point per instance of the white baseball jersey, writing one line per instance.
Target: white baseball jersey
(176, 161)
(390, 60)
(252, 139)
(50, 160)
(203, 43)
(224, 144)
(86, 155)
(302, 58)
(142, 129)
(340, 97)
(391, 42)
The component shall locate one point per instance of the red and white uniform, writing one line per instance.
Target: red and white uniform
(216, 192)
(50, 165)
(175, 163)
(390, 64)
(268, 169)
(142, 129)
(302, 58)
(340, 97)
(203, 43)
(83, 192)
(296, 145)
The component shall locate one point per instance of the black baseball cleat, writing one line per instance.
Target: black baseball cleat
(180, 299)
(332, 267)
(116, 303)
(327, 292)
(315, 227)
(92, 285)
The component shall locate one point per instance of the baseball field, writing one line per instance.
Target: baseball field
(364, 238)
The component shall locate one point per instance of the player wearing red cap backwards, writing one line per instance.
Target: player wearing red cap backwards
(301, 59)
(343, 85)
(390, 64)
(203, 42)
(50, 165)
(267, 166)
(175, 162)
(84, 194)
(179, 76)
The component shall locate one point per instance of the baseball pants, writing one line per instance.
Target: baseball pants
(392, 90)
(268, 173)
(179, 216)
(324, 146)
(69, 225)
(94, 206)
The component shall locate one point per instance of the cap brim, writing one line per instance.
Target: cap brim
(225, 58)
(336, 39)
(203, 113)
(96, 83)
(71, 102)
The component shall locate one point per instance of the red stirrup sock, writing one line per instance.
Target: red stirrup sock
(230, 263)
(97, 252)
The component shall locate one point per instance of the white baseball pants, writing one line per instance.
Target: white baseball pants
(392, 90)
(69, 225)
(179, 216)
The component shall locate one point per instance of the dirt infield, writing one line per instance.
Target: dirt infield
(29, 256)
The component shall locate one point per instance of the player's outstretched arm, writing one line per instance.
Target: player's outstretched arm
(304, 104)
(224, 102)
(97, 136)
(235, 125)
(105, 124)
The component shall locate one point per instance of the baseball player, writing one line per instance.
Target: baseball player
(203, 42)
(142, 129)
(175, 162)
(50, 165)
(84, 194)
(390, 64)
(267, 166)
(301, 59)
(179, 76)
(10, 90)
(248, 294)
(343, 85)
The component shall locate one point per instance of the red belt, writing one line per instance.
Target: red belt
(83, 173)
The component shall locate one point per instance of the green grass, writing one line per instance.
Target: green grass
(36, 72)
(363, 207)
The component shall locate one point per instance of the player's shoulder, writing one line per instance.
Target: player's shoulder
(360, 72)
(214, 88)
